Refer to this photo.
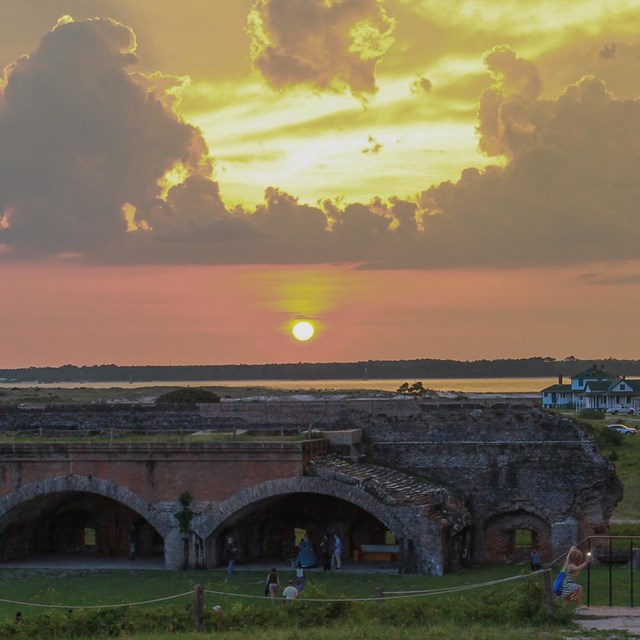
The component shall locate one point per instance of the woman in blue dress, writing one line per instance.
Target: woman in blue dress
(306, 555)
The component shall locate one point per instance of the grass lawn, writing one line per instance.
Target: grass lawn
(453, 613)
(80, 588)
(105, 587)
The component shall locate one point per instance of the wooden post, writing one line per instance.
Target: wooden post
(548, 592)
(198, 605)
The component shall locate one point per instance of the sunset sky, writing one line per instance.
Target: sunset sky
(182, 181)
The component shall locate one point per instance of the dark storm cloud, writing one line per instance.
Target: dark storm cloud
(84, 137)
(80, 136)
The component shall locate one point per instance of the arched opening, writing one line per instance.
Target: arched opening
(75, 524)
(271, 530)
(510, 537)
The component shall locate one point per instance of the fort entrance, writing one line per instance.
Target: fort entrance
(270, 530)
(75, 524)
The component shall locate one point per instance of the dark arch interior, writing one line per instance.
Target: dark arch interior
(76, 524)
(264, 531)
(501, 544)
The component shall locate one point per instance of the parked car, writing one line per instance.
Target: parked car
(622, 428)
(622, 410)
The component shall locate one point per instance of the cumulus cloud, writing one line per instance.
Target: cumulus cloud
(81, 137)
(505, 108)
(568, 191)
(324, 44)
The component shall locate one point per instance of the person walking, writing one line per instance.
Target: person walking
(231, 553)
(272, 584)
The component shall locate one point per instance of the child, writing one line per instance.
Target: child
(299, 577)
(573, 566)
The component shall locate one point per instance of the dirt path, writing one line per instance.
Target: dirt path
(611, 619)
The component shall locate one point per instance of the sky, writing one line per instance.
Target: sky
(181, 182)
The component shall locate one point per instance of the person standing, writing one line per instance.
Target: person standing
(231, 553)
(299, 577)
(325, 549)
(306, 555)
(337, 552)
(536, 562)
(133, 543)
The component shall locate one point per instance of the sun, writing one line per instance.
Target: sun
(303, 331)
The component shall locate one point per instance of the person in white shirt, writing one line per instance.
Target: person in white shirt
(289, 592)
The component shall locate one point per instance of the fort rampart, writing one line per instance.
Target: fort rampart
(454, 480)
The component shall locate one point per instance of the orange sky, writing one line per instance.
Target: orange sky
(179, 182)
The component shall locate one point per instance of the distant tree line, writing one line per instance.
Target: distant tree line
(420, 369)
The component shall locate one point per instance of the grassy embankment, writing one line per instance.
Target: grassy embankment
(513, 609)
(624, 452)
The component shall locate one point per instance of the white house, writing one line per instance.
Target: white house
(594, 388)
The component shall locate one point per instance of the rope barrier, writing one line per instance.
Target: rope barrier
(395, 595)
(95, 606)
(388, 595)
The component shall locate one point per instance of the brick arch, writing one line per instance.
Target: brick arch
(500, 528)
(209, 524)
(85, 484)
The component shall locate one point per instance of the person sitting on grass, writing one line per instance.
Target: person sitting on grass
(574, 564)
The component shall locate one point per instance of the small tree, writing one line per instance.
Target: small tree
(417, 388)
(184, 518)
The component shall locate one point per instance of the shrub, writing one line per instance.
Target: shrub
(591, 414)
(187, 396)
(606, 438)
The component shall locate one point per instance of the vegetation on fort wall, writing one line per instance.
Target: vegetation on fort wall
(188, 395)
(624, 452)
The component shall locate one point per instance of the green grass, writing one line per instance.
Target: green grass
(491, 613)
(71, 588)
(123, 437)
(478, 613)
